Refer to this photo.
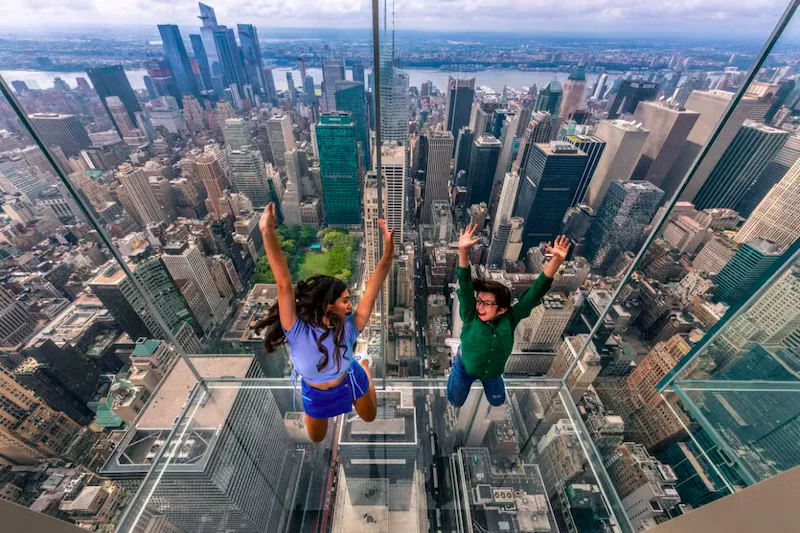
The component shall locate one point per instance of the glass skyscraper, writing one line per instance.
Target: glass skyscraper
(552, 175)
(251, 53)
(178, 59)
(338, 167)
(112, 81)
(350, 98)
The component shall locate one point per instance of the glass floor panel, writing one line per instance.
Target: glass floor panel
(236, 458)
(755, 423)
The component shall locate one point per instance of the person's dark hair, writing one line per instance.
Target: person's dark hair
(312, 298)
(501, 293)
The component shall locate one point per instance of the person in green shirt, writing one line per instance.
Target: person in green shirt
(487, 336)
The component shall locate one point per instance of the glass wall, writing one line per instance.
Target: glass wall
(655, 375)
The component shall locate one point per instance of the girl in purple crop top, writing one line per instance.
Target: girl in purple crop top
(318, 323)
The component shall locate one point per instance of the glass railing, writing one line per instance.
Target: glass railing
(658, 374)
(239, 458)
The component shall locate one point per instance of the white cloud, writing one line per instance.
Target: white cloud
(704, 17)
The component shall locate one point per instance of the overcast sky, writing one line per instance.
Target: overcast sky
(718, 18)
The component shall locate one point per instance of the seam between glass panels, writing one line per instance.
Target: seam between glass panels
(151, 472)
(784, 263)
(28, 126)
(612, 500)
(751, 75)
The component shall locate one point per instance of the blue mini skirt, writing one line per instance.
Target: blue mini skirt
(338, 400)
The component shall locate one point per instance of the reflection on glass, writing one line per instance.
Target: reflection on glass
(174, 136)
(242, 458)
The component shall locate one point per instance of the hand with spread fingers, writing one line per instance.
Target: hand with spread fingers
(467, 238)
(559, 249)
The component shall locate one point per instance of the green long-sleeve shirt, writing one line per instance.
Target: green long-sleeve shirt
(486, 346)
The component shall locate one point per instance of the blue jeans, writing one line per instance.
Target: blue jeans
(460, 381)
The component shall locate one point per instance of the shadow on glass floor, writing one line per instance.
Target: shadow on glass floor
(236, 457)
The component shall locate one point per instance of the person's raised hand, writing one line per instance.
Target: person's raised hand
(267, 220)
(388, 238)
(467, 239)
(560, 248)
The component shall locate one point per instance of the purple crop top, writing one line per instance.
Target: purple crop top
(302, 339)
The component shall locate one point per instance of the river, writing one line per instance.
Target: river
(495, 79)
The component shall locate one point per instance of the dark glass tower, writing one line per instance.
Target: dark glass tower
(230, 59)
(630, 93)
(482, 165)
(593, 147)
(200, 55)
(350, 98)
(550, 98)
(460, 93)
(112, 81)
(251, 52)
(178, 59)
(551, 178)
(338, 166)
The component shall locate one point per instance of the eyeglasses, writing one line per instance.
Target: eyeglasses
(484, 303)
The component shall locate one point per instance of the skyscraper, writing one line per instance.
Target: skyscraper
(281, 139)
(629, 94)
(393, 169)
(185, 262)
(251, 53)
(507, 200)
(550, 98)
(230, 60)
(64, 131)
(551, 177)
(711, 105)
(332, 71)
(236, 132)
(178, 59)
(463, 148)
(668, 129)
(209, 21)
(593, 147)
(739, 276)
(112, 81)
(777, 217)
(480, 172)
(574, 88)
(16, 324)
(624, 142)
(131, 135)
(269, 88)
(773, 173)
(350, 98)
(243, 432)
(201, 57)
(627, 208)
(458, 105)
(291, 90)
(338, 167)
(358, 70)
(249, 174)
(394, 100)
(499, 242)
(749, 152)
(137, 186)
(123, 301)
(437, 171)
(161, 78)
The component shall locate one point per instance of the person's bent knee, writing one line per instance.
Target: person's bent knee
(497, 402)
(370, 415)
(316, 438)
